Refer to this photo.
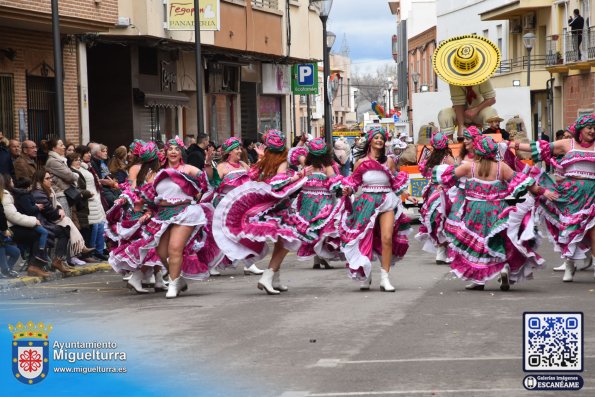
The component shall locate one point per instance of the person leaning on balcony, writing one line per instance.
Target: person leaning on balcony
(466, 63)
(577, 23)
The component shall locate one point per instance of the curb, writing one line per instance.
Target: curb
(29, 280)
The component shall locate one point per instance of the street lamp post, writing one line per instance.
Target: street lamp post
(328, 39)
(528, 42)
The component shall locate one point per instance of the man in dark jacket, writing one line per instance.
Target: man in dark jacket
(198, 154)
(577, 24)
(6, 166)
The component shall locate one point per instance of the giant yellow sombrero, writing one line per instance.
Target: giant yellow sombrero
(466, 60)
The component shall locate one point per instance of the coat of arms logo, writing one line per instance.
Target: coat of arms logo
(30, 351)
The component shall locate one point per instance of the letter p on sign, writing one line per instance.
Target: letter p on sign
(306, 74)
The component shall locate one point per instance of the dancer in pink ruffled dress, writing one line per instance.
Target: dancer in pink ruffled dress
(256, 212)
(233, 173)
(181, 228)
(376, 223)
(316, 212)
(127, 218)
(433, 211)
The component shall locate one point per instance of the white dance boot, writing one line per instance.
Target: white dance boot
(277, 282)
(505, 278)
(365, 285)
(385, 284)
(441, 257)
(136, 282)
(148, 280)
(266, 282)
(253, 269)
(560, 268)
(160, 284)
(569, 271)
(175, 287)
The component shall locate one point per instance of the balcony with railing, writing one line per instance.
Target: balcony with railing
(570, 50)
(538, 62)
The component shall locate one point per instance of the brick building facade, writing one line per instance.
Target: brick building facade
(27, 93)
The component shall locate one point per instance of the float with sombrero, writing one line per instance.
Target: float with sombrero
(466, 63)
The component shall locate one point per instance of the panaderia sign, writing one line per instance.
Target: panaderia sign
(180, 14)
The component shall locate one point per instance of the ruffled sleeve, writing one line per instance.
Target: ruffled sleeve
(280, 181)
(445, 175)
(294, 154)
(519, 183)
(355, 179)
(148, 193)
(400, 181)
(542, 151)
(254, 173)
(335, 182)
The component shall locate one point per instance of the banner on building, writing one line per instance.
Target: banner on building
(276, 79)
(180, 14)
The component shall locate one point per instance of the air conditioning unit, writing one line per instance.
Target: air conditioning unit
(123, 22)
(529, 21)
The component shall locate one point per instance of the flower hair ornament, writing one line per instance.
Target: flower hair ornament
(471, 132)
(148, 152)
(274, 140)
(439, 141)
(485, 147)
(317, 146)
(230, 144)
(376, 129)
(174, 142)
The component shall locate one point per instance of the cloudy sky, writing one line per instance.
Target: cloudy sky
(368, 27)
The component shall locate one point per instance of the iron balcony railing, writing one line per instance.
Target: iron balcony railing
(521, 63)
(570, 47)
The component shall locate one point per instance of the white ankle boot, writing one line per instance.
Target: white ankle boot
(441, 258)
(136, 282)
(385, 284)
(560, 268)
(505, 278)
(365, 285)
(266, 282)
(175, 287)
(569, 271)
(277, 282)
(148, 280)
(253, 269)
(160, 284)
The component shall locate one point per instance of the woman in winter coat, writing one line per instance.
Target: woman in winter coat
(23, 229)
(96, 212)
(69, 241)
(63, 178)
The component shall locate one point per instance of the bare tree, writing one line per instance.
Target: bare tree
(371, 86)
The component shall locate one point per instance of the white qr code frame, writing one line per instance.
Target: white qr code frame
(550, 355)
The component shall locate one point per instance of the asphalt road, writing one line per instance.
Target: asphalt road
(324, 337)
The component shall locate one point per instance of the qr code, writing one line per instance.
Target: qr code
(553, 342)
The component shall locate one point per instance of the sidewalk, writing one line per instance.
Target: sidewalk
(8, 283)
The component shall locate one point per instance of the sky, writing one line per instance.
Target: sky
(368, 26)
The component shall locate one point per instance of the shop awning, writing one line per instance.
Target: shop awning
(171, 100)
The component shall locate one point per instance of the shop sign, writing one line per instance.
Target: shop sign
(180, 14)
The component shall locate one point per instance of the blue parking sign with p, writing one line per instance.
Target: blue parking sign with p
(306, 74)
(305, 79)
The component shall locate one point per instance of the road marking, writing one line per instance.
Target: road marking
(335, 362)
